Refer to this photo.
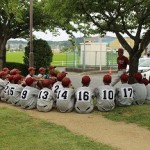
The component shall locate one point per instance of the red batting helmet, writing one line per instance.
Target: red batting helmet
(60, 76)
(5, 69)
(29, 81)
(138, 77)
(65, 82)
(47, 82)
(64, 73)
(107, 79)
(16, 78)
(31, 68)
(41, 69)
(86, 80)
(13, 71)
(10, 78)
(51, 67)
(2, 73)
(124, 77)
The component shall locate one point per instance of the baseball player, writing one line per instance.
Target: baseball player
(122, 62)
(140, 91)
(65, 96)
(105, 95)
(146, 82)
(46, 96)
(29, 94)
(31, 71)
(41, 72)
(3, 83)
(15, 90)
(84, 97)
(5, 93)
(57, 85)
(124, 92)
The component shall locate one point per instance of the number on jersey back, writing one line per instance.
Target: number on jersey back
(127, 92)
(108, 94)
(83, 95)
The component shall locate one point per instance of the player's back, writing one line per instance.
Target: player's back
(105, 98)
(56, 87)
(147, 100)
(14, 94)
(140, 93)
(84, 99)
(28, 98)
(45, 100)
(124, 95)
(65, 99)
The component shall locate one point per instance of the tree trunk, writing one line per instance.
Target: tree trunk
(2, 53)
(133, 67)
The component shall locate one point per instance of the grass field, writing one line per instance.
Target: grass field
(133, 114)
(20, 131)
(58, 59)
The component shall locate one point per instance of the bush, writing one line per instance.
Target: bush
(42, 54)
(21, 67)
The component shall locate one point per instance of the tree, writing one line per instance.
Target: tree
(42, 54)
(118, 16)
(14, 21)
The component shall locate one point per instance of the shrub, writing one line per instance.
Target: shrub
(42, 54)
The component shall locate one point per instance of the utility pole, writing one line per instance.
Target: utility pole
(31, 55)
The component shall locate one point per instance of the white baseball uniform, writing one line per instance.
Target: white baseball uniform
(84, 100)
(105, 96)
(28, 98)
(147, 100)
(65, 99)
(140, 93)
(14, 94)
(3, 89)
(124, 95)
(45, 100)
(56, 87)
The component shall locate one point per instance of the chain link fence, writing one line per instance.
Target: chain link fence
(90, 60)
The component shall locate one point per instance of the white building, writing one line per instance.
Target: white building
(93, 54)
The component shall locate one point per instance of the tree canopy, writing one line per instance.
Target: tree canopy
(131, 18)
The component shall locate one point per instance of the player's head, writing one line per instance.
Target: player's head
(3, 75)
(52, 67)
(64, 73)
(138, 77)
(31, 70)
(10, 78)
(42, 70)
(66, 82)
(47, 83)
(60, 76)
(13, 71)
(145, 81)
(5, 69)
(107, 79)
(29, 81)
(17, 79)
(124, 78)
(120, 51)
(86, 80)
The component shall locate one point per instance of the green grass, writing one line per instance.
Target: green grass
(134, 114)
(20, 131)
(58, 59)
(15, 57)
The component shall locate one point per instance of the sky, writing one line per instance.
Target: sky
(50, 37)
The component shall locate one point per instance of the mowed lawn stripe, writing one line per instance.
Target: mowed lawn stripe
(20, 131)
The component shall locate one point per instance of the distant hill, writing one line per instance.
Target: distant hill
(54, 44)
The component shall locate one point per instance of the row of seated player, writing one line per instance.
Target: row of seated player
(64, 97)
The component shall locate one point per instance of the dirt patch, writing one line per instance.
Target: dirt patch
(116, 134)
